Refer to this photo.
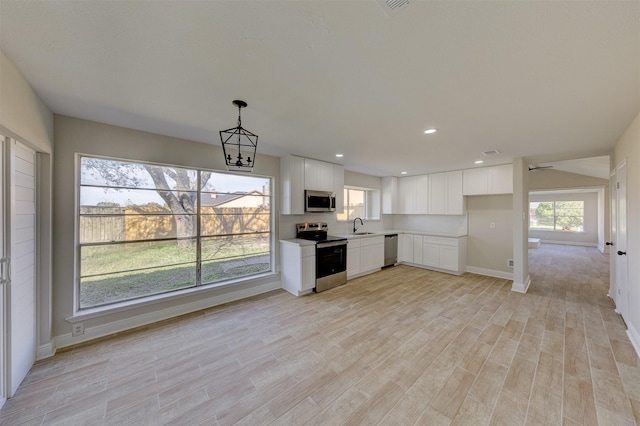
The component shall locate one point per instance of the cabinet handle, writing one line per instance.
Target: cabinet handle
(620, 253)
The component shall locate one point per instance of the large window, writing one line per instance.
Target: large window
(556, 216)
(148, 229)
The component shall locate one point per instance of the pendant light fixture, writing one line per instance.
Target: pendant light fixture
(239, 145)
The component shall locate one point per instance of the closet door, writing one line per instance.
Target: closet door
(22, 287)
(4, 308)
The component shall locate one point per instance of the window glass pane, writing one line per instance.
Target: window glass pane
(226, 222)
(234, 256)
(557, 215)
(221, 200)
(108, 258)
(110, 288)
(227, 183)
(115, 173)
(356, 204)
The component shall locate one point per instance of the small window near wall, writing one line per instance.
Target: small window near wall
(360, 202)
(556, 216)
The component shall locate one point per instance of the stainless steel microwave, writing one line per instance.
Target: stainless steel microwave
(319, 201)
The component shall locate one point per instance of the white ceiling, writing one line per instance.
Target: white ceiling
(551, 80)
(595, 166)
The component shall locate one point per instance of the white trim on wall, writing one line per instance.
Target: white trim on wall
(569, 243)
(490, 272)
(634, 337)
(109, 328)
(521, 287)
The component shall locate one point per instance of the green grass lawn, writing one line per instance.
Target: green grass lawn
(114, 272)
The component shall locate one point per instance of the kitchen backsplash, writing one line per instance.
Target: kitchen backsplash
(454, 225)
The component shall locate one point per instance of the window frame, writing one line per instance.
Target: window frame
(555, 216)
(371, 196)
(119, 305)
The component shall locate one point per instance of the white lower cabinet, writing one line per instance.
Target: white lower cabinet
(364, 255)
(353, 258)
(405, 248)
(298, 267)
(447, 254)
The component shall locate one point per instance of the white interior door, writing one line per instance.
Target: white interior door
(613, 191)
(22, 287)
(4, 372)
(620, 247)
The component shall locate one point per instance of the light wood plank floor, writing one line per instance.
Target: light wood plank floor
(400, 347)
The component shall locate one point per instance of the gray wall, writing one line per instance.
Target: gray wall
(80, 136)
(487, 247)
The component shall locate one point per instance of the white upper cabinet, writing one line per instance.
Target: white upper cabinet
(413, 195)
(445, 193)
(501, 179)
(389, 195)
(292, 184)
(488, 180)
(318, 175)
(298, 174)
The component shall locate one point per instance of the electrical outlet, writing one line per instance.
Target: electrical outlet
(509, 263)
(77, 329)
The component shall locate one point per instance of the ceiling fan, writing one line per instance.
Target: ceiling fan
(533, 168)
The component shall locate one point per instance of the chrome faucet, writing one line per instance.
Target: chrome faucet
(354, 224)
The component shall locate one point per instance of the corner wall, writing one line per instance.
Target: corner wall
(488, 248)
(628, 148)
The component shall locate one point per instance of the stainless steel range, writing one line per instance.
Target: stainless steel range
(331, 255)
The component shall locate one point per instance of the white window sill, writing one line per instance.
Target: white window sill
(90, 313)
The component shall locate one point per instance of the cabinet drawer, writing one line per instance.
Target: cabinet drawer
(441, 241)
(308, 251)
(371, 241)
(353, 243)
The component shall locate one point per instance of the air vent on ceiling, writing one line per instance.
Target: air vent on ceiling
(393, 6)
(492, 152)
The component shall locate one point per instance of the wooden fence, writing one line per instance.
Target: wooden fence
(103, 224)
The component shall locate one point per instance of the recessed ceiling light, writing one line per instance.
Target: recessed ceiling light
(339, 155)
(430, 131)
(478, 162)
(403, 173)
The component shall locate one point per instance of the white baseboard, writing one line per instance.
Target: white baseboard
(2, 401)
(102, 330)
(521, 287)
(569, 243)
(634, 337)
(490, 273)
(45, 351)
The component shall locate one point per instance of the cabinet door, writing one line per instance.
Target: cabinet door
(475, 181)
(292, 184)
(438, 193)
(501, 179)
(417, 249)
(431, 255)
(406, 195)
(308, 273)
(389, 195)
(421, 184)
(378, 256)
(405, 248)
(318, 175)
(353, 261)
(449, 258)
(455, 199)
(338, 184)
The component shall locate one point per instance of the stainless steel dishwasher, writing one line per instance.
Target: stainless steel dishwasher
(390, 250)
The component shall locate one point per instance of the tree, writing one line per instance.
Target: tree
(177, 187)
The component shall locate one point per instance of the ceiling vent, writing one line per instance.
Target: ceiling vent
(492, 152)
(393, 6)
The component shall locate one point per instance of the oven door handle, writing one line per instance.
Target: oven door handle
(332, 244)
